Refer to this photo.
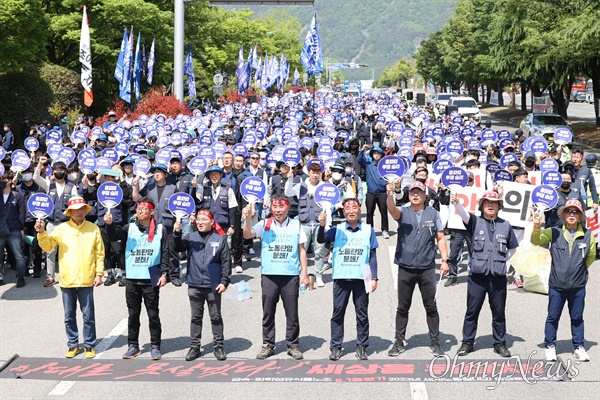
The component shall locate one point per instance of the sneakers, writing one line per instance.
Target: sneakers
(49, 282)
(385, 235)
(266, 352)
(361, 352)
(155, 352)
(1, 281)
(251, 252)
(36, 273)
(238, 269)
(465, 349)
(517, 281)
(550, 353)
(397, 349)
(21, 282)
(336, 354)
(73, 351)
(436, 350)
(123, 282)
(110, 280)
(502, 350)
(581, 355)
(89, 352)
(220, 353)
(132, 352)
(295, 353)
(320, 282)
(193, 353)
(176, 281)
(450, 282)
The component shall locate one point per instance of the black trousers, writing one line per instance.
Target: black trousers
(364, 140)
(33, 253)
(342, 289)
(408, 278)
(173, 255)
(495, 287)
(237, 241)
(380, 201)
(459, 237)
(114, 251)
(134, 294)
(199, 296)
(286, 287)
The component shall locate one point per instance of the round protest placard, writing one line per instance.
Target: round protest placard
(66, 152)
(441, 165)
(552, 178)
(240, 149)
(110, 194)
(86, 153)
(121, 148)
(563, 136)
(31, 144)
(103, 163)
(405, 141)
(249, 140)
(405, 152)
(111, 154)
(503, 175)
(270, 160)
(325, 150)
(327, 195)
(253, 189)
(53, 137)
(306, 142)
(488, 136)
(78, 137)
(163, 156)
(197, 165)
(20, 160)
(548, 164)
(492, 168)
(219, 148)
(208, 153)
(181, 205)
(544, 197)
(88, 165)
(507, 159)
(539, 146)
(40, 205)
(455, 147)
(291, 157)
(390, 168)
(277, 152)
(455, 176)
(142, 167)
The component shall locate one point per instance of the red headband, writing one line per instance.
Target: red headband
(351, 203)
(215, 226)
(206, 213)
(146, 204)
(282, 202)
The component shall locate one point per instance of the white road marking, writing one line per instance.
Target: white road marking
(394, 267)
(418, 391)
(63, 386)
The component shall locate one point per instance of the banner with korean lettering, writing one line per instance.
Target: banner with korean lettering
(593, 224)
(517, 202)
(469, 199)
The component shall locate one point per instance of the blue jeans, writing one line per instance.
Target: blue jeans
(556, 303)
(85, 295)
(15, 243)
(318, 248)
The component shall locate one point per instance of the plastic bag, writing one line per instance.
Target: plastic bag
(533, 262)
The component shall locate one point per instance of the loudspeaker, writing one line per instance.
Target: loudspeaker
(252, 98)
(449, 109)
(421, 99)
(409, 95)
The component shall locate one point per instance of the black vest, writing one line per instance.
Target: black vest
(569, 270)
(415, 247)
(488, 257)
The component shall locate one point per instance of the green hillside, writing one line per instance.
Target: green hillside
(372, 32)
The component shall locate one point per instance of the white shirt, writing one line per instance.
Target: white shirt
(259, 229)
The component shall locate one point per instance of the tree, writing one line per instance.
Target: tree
(398, 73)
(23, 33)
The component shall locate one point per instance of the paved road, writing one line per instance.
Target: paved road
(31, 325)
(582, 111)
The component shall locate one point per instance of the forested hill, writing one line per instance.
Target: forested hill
(372, 32)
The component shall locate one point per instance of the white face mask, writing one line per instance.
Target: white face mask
(337, 176)
(27, 177)
(349, 170)
(263, 162)
(72, 177)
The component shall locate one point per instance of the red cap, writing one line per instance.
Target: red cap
(416, 185)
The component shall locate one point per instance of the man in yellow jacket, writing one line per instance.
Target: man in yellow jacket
(81, 260)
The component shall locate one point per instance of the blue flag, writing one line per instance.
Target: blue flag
(311, 56)
(258, 70)
(151, 63)
(244, 78)
(144, 60)
(240, 63)
(137, 69)
(119, 67)
(273, 71)
(188, 69)
(264, 78)
(125, 92)
(296, 77)
(255, 60)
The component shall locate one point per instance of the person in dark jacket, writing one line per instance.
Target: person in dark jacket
(147, 267)
(376, 194)
(208, 275)
(32, 252)
(573, 250)
(12, 212)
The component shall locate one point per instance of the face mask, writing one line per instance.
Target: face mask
(59, 175)
(91, 177)
(349, 170)
(422, 180)
(337, 176)
(2, 185)
(529, 163)
(263, 162)
(72, 177)
(565, 185)
(27, 177)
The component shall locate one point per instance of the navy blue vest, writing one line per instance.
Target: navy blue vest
(219, 208)
(60, 203)
(204, 260)
(415, 247)
(308, 209)
(569, 270)
(489, 256)
(162, 214)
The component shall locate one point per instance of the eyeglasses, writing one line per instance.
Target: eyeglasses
(254, 158)
(572, 212)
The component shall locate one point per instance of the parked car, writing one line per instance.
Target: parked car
(467, 107)
(543, 125)
(578, 95)
(442, 100)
